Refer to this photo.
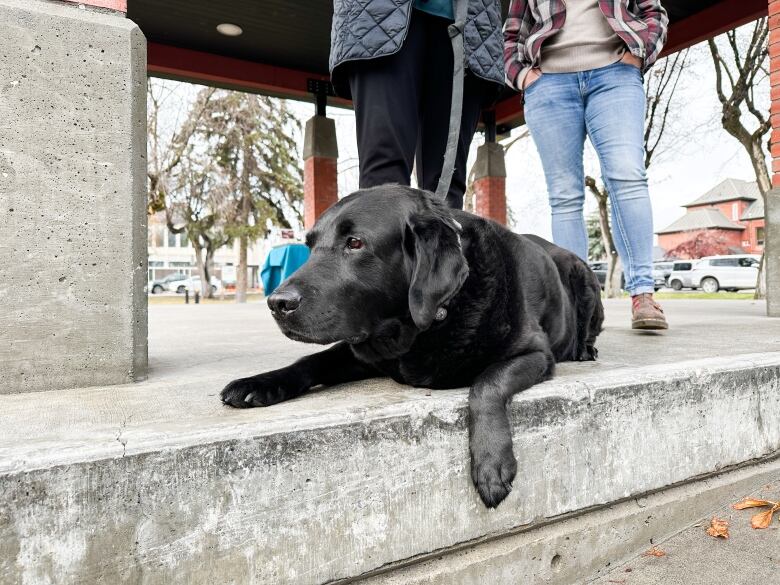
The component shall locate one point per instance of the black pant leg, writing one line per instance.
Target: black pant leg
(435, 114)
(385, 95)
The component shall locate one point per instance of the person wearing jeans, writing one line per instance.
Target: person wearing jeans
(579, 65)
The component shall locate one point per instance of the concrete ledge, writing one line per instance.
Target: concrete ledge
(351, 480)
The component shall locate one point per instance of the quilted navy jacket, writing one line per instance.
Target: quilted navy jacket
(365, 29)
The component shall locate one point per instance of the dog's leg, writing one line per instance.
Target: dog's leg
(493, 464)
(332, 366)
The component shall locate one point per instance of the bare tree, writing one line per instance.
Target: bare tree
(203, 205)
(740, 61)
(660, 89)
(165, 155)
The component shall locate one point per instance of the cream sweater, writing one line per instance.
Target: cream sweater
(585, 42)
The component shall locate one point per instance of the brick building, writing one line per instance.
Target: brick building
(732, 211)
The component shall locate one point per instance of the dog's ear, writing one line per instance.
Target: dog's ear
(438, 267)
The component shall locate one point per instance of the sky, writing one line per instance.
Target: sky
(697, 156)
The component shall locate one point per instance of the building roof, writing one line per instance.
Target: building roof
(755, 211)
(728, 190)
(700, 219)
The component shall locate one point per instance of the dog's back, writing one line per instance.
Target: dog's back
(585, 294)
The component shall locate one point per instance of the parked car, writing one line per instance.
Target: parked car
(731, 273)
(193, 284)
(680, 277)
(168, 283)
(661, 273)
(600, 270)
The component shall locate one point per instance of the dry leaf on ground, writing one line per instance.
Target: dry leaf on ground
(718, 528)
(654, 552)
(764, 519)
(750, 503)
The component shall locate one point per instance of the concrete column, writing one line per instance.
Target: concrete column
(320, 177)
(490, 182)
(72, 197)
(772, 211)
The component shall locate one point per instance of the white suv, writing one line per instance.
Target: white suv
(714, 273)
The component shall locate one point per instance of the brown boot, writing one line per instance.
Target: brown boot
(646, 313)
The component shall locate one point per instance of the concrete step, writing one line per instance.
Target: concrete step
(157, 483)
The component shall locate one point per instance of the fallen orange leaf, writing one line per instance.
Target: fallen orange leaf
(718, 528)
(748, 503)
(764, 519)
(654, 552)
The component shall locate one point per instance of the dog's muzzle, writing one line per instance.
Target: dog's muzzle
(284, 302)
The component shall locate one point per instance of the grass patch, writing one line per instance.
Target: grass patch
(179, 299)
(718, 296)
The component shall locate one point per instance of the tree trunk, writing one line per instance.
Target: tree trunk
(241, 270)
(612, 281)
(764, 185)
(761, 279)
(208, 270)
(205, 285)
(243, 240)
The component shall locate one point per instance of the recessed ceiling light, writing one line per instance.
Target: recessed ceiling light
(229, 30)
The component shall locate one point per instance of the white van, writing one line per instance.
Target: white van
(680, 277)
(715, 273)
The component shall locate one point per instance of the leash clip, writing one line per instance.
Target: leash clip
(456, 28)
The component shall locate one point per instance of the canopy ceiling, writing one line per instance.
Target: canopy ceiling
(286, 42)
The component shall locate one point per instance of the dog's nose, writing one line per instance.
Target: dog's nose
(285, 301)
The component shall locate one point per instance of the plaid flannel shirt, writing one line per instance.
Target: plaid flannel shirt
(641, 24)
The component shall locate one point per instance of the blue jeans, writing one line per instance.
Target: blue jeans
(607, 104)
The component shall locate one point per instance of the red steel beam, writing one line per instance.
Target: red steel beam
(210, 69)
(711, 22)
(685, 33)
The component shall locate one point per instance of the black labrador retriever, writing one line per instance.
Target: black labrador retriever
(436, 298)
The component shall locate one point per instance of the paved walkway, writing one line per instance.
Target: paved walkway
(238, 340)
(747, 557)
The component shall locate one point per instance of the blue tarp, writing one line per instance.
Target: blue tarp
(280, 263)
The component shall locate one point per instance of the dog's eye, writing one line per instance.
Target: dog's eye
(354, 243)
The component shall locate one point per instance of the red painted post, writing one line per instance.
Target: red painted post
(772, 210)
(490, 182)
(320, 177)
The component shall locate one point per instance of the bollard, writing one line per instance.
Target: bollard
(186, 297)
(197, 298)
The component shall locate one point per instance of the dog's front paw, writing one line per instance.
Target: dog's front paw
(492, 474)
(261, 390)
(589, 354)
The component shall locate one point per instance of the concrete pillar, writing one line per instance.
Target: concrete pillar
(772, 210)
(320, 176)
(72, 197)
(490, 182)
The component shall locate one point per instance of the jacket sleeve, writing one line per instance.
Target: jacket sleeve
(516, 30)
(655, 18)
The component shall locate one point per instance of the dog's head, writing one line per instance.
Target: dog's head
(382, 260)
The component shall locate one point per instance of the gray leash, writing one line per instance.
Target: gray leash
(456, 105)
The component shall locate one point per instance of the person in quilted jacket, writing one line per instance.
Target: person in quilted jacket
(394, 59)
(579, 66)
